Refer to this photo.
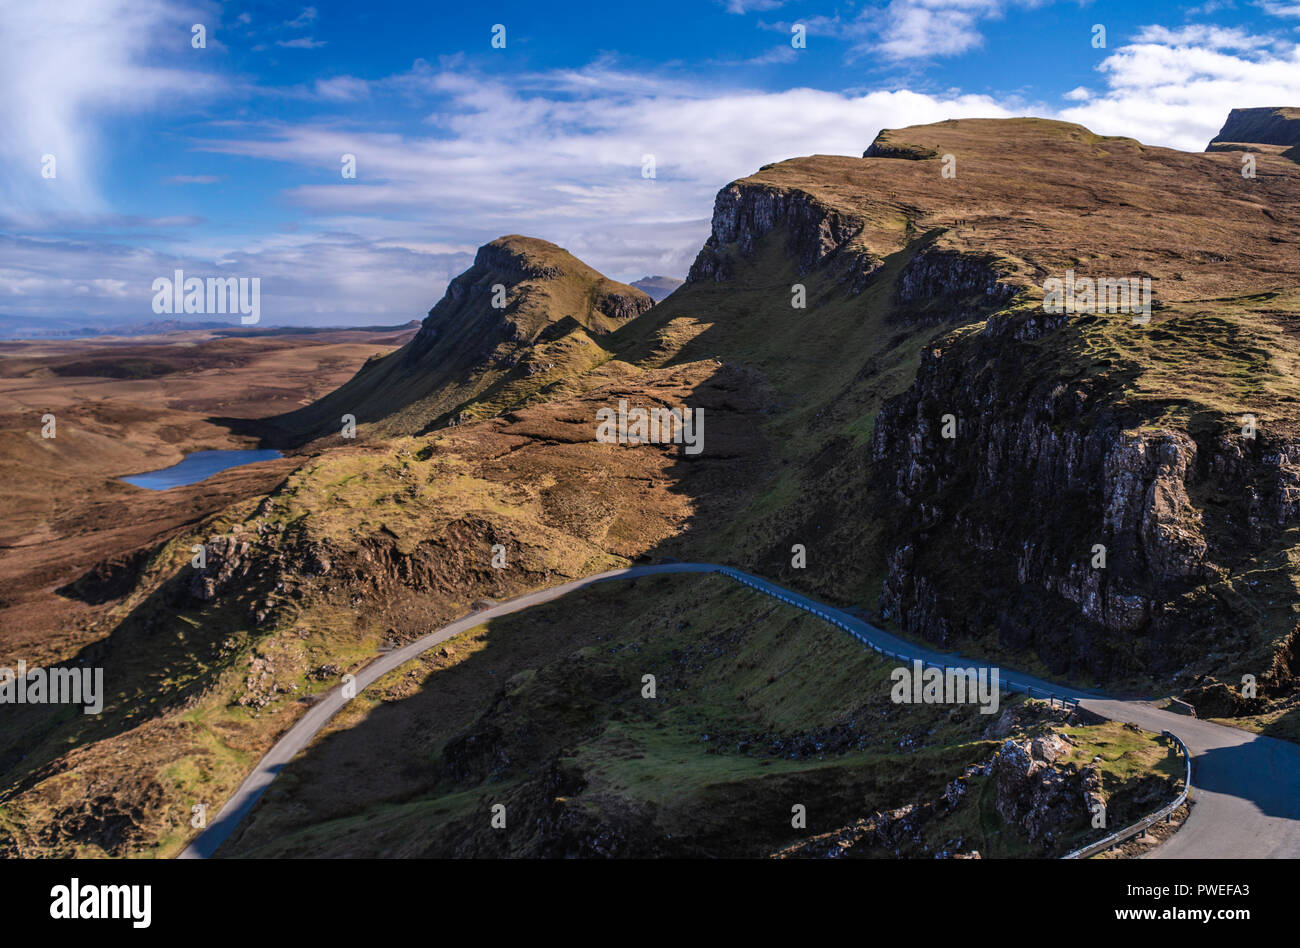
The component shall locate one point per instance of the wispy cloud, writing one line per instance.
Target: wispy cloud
(1280, 7)
(514, 156)
(749, 6)
(67, 67)
(341, 88)
(1204, 35)
(303, 19)
(911, 29)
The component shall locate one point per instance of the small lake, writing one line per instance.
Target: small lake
(198, 466)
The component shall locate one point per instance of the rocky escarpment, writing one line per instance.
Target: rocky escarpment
(743, 214)
(886, 145)
(948, 285)
(1033, 511)
(938, 283)
(1260, 126)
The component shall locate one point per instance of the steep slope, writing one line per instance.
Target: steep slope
(1072, 431)
(502, 327)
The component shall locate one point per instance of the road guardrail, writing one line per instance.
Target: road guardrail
(1141, 826)
(1009, 686)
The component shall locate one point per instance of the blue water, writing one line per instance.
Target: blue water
(198, 466)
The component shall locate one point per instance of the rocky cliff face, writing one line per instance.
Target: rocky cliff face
(950, 286)
(1029, 507)
(1262, 126)
(743, 214)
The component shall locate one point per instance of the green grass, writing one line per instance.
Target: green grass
(690, 772)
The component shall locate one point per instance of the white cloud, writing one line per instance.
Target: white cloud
(1176, 94)
(569, 169)
(1204, 35)
(747, 6)
(67, 67)
(912, 29)
(1279, 8)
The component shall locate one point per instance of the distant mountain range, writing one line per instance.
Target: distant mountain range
(657, 287)
(16, 327)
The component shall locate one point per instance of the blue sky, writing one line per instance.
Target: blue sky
(226, 160)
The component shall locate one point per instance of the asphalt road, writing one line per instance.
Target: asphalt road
(1246, 788)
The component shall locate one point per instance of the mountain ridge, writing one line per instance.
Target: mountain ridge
(923, 310)
(520, 292)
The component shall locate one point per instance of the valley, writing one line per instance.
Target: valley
(826, 434)
(123, 407)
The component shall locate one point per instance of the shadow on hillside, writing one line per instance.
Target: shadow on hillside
(468, 735)
(1285, 727)
(726, 486)
(163, 639)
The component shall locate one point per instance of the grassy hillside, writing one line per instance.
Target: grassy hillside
(757, 707)
(923, 299)
(526, 315)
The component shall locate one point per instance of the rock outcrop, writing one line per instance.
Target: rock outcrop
(1260, 126)
(743, 214)
(1032, 794)
(1034, 507)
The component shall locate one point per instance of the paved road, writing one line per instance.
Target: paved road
(1246, 788)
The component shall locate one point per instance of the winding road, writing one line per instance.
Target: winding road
(1246, 788)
